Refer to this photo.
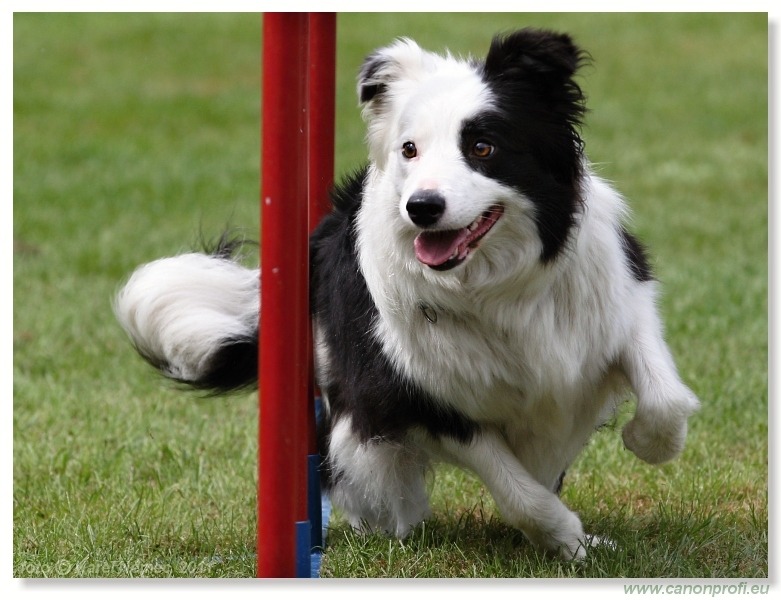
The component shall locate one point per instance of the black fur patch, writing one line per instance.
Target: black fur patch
(535, 127)
(369, 89)
(233, 368)
(636, 256)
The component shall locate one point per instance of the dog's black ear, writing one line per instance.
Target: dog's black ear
(403, 59)
(545, 56)
(369, 85)
(535, 65)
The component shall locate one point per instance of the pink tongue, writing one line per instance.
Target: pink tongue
(434, 248)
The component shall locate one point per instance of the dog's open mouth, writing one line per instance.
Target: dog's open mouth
(443, 250)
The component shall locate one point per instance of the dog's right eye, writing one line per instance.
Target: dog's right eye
(482, 149)
(408, 150)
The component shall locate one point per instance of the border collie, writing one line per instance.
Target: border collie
(475, 296)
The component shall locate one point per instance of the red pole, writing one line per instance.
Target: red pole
(284, 320)
(297, 165)
(321, 101)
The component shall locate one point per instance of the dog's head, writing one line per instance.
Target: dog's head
(471, 148)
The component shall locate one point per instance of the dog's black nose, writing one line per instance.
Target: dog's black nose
(425, 207)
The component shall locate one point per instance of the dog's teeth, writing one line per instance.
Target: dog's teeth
(473, 226)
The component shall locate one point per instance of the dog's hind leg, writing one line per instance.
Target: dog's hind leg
(523, 501)
(378, 484)
(657, 433)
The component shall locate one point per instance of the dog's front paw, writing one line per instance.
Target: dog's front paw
(567, 539)
(579, 549)
(655, 442)
(599, 541)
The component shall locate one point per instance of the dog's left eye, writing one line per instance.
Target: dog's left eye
(482, 149)
(408, 150)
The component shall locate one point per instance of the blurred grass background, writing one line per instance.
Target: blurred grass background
(137, 134)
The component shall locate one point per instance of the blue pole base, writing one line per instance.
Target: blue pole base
(303, 549)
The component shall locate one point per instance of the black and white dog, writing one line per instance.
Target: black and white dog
(476, 298)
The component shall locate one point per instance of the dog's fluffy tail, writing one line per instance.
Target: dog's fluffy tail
(195, 318)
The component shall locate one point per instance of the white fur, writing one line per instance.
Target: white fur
(414, 73)
(381, 485)
(179, 310)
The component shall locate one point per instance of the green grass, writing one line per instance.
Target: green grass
(135, 134)
(132, 134)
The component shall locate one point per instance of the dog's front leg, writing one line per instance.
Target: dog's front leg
(378, 484)
(657, 432)
(524, 502)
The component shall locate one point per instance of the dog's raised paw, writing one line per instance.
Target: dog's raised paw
(655, 443)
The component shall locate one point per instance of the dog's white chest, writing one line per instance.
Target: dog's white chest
(483, 368)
